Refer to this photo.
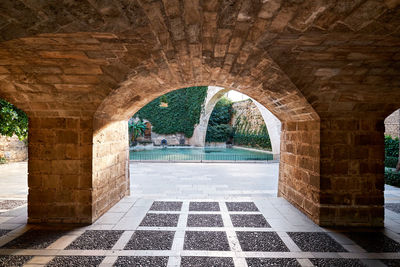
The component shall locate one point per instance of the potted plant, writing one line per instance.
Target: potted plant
(137, 129)
(163, 101)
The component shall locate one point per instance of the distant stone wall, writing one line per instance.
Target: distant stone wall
(392, 124)
(12, 149)
(248, 110)
(172, 139)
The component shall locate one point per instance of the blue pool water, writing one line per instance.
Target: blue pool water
(198, 154)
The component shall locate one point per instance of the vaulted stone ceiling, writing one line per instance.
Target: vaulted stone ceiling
(301, 59)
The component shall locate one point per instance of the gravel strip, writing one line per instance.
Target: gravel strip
(316, 242)
(96, 239)
(12, 260)
(205, 220)
(76, 261)
(141, 261)
(166, 206)
(206, 240)
(206, 261)
(150, 240)
(374, 241)
(35, 239)
(337, 263)
(241, 206)
(204, 206)
(11, 204)
(395, 207)
(249, 220)
(160, 220)
(4, 232)
(391, 263)
(261, 262)
(261, 241)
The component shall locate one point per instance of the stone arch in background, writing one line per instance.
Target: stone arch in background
(328, 70)
(214, 94)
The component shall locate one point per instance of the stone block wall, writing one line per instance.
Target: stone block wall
(13, 149)
(392, 124)
(60, 170)
(110, 166)
(249, 110)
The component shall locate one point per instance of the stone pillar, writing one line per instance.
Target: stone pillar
(352, 172)
(300, 165)
(110, 165)
(274, 128)
(75, 174)
(60, 170)
(333, 170)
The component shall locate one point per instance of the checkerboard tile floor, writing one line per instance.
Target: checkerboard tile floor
(145, 232)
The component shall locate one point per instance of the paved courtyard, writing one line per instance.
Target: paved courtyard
(200, 215)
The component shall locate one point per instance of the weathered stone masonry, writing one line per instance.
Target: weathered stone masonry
(329, 70)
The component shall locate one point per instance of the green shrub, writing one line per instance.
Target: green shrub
(392, 178)
(219, 128)
(391, 146)
(3, 160)
(13, 121)
(391, 162)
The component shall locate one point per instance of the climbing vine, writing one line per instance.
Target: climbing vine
(181, 114)
(245, 136)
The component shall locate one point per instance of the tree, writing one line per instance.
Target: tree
(13, 121)
(137, 129)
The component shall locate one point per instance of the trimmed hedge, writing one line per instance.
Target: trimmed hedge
(392, 178)
(391, 162)
(219, 129)
(391, 146)
(391, 151)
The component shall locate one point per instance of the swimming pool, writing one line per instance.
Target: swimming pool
(198, 154)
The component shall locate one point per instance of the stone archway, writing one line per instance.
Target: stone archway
(214, 94)
(328, 71)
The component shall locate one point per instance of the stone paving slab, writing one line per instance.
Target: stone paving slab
(391, 263)
(160, 220)
(249, 220)
(205, 220)
(337, 263)
(374, 241)
(34, 239)
(206, 240)
(141, 261)
(75, 261)
(207, 261)
(395, 207)
(241, 206)
(261, 262)
(8, 204)
(166, 206)
(261, 241)
(14, 260)
(150, 240)
(316, 242)
(4, 232)
(204, 206)
(96, 239)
